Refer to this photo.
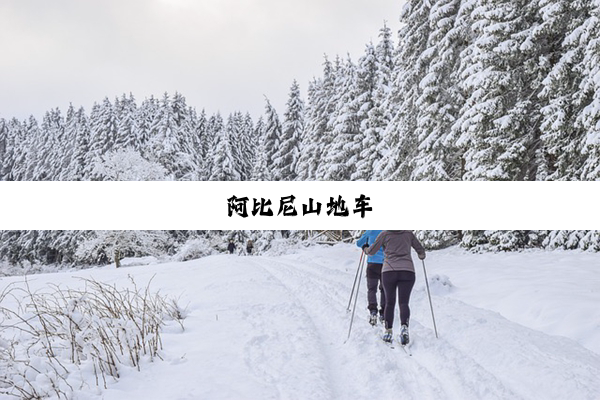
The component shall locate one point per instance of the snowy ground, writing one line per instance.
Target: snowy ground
(512, 326)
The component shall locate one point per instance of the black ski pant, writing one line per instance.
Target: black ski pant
(374, 283)
(401, 282)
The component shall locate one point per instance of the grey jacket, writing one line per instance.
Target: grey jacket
(396, 250)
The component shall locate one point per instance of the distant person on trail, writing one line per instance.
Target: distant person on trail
(374, 266)
(231, 246)
(398, 275)
(249, 246)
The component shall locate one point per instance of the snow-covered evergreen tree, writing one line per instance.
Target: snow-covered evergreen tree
(498, 120)
(339, 157)
(224, 166)
(286, 157)
(316, 132)
(439, 101)
(248, 146)
(126, 112)
(30, 152)
(561, 139)
(272, 134)
(378, 116)
(589, 117)
(170, 143)
(367, 81)
(21, 144)
(400, 142)
(145, 121)
(51, 146)
(260, 171)
(103, 129)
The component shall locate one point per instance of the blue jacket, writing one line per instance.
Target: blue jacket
(369, 238)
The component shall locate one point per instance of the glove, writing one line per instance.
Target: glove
(364, 246)
(422, 256)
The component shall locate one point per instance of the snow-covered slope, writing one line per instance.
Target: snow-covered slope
(276, 328)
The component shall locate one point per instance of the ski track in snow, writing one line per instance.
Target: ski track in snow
(484, 356)
(446, 372)
(276, 328)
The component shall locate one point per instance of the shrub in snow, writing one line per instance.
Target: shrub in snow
(434, 240)
(128, 165)
(194, 248)
(105, 246)
(280, 247)
(59, 340)
(590, 241)
(440, 284)
(521, 239)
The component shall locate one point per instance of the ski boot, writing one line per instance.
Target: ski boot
(373, 318)
(387, 336)
(404, 339)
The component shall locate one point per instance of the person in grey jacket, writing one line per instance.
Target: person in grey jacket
(398, 276)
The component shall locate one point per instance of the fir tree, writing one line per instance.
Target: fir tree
(170, 144)
(126, 134)
(400, 142)
(78, 129)
(260, 171)
(51, 147)
(286, 157)
(378, 116)
(437, 158)
(224, 166)
(340, 155)
(272, 134)
(318, 110)
(559, 153)
(498, 121)
(589, 117)
(103, 128)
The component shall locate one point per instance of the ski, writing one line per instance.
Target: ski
(406, 349)
(391, 344)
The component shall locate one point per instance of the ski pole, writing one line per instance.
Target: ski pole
(355, 297)
(354, 284)
(430, 303)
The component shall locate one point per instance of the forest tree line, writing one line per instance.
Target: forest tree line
(469, 90)
(27, 249)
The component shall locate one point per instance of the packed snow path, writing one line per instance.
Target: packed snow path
(276, 328)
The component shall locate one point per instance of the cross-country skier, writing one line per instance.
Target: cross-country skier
(231, 246)
(374, 265)
(398, 275)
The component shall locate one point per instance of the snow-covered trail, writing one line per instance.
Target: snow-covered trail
(275, 328)
(483, 355)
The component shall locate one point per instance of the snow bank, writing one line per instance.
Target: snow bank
(556, 292)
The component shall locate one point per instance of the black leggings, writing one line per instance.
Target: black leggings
(403, 282)
(373, 282)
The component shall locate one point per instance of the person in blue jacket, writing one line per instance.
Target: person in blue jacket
(374, 265)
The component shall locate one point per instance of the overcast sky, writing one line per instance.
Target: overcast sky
(222, 55)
